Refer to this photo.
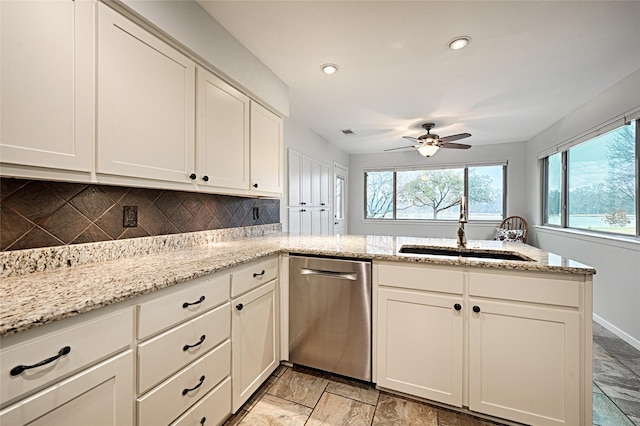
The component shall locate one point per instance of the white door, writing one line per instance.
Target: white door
(222, 138)
(340, 199)
(524, 362)
(46, 94)
(146, 103)
(420, 338)
(254, 345)
(266, 151)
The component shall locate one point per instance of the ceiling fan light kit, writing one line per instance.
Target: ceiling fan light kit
(428, 150)
(429, 143)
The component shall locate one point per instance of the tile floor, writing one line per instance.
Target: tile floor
(297, 396)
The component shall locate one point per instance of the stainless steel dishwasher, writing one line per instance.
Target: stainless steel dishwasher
(330, 315)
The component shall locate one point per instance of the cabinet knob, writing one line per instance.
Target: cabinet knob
(322, 204)
(457, 306)
(302, 210)
(192, 176)
(203, 421)
(255, 185)
(239, 306)
(302, 203)
(476, 309)
(205, 178)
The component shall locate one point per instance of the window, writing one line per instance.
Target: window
(554, 193)
(601, 184)
(434, 194)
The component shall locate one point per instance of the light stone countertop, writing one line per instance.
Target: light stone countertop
(58, 291)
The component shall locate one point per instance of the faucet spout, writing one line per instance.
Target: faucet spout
(462, 239)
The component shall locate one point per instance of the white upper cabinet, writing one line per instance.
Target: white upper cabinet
(46, 89)
(266, 152)
(325, 185)
(146, 102)
(222, 135)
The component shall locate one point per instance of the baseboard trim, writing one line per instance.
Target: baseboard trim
(615, 330)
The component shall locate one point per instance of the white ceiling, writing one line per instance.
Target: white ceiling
(529, 64)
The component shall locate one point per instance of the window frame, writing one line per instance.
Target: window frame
(564, 196)
(464, 166)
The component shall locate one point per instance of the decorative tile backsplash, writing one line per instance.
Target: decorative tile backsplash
(45, 214)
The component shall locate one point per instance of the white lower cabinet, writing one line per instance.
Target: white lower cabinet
(514, 345)
(255, 337)
(524, 362)
(100, 395)
(420, 333)
(184, 363)
(420, 344)
(78, 372)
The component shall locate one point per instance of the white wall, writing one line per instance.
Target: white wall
(306, 141)
(189, 24)
(513, 153)
(616, 289)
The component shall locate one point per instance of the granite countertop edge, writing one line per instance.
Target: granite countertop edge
(83, 288)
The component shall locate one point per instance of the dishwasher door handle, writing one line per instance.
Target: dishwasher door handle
(352, 276)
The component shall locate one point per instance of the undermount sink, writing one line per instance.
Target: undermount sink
(477, 253)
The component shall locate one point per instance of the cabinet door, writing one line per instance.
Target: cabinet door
(325, 221)
(316, 222)
(325, 185)
(100, 395)
(300, 221)
(222, 139)
(255, 349)
(146, 101)
(524, 362)
(295, 178)
(305, 182)
(420, 338)
(315, 183)
(46, 89)
(266, 151)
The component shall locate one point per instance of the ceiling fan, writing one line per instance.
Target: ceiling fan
(429, 143)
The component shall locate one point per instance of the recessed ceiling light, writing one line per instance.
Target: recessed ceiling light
(459, 42)
(329, 68)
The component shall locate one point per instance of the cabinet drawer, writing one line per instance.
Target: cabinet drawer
(213, 408)
(525, 288)
(173, 397)
(430, 278)
(89, 342)
(99, 395)
(164, 354)
(199, 296)
(255, 274)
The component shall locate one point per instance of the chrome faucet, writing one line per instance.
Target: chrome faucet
(462, 239)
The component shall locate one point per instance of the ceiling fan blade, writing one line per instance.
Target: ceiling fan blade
(455, 145)
(402, 147)
(452, 138)
(411, 138)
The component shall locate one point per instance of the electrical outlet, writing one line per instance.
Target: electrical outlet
(130, 217)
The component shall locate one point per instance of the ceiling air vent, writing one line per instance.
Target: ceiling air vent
(348, 132)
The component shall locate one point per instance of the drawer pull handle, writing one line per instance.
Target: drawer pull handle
(203, 421)
(186, 304)
(20, 368)
(187, 347)
(260, 274)
(186, 391)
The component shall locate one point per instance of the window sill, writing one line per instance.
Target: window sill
(630, 242)
(429, 222)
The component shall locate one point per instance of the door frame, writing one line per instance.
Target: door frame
(340, 171)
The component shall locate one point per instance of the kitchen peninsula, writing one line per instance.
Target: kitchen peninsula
(495, 323)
